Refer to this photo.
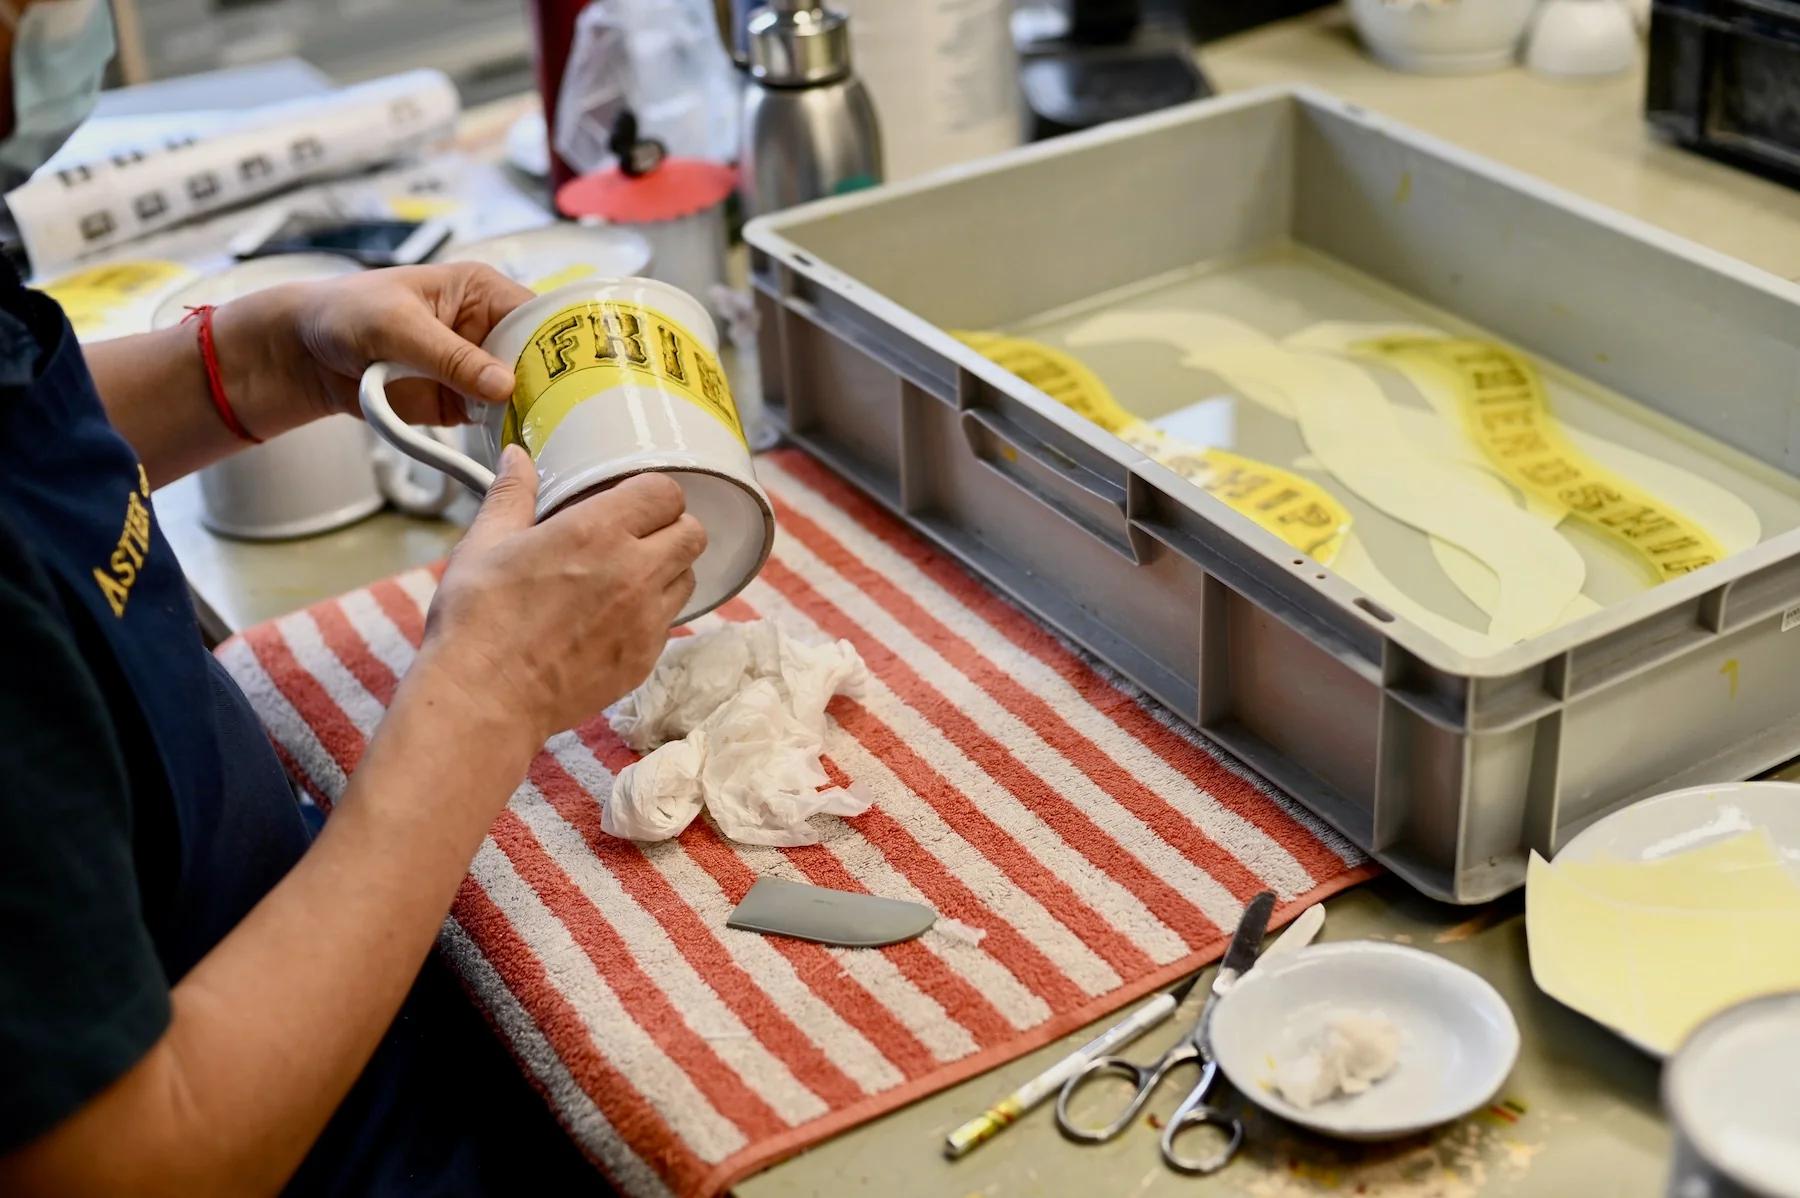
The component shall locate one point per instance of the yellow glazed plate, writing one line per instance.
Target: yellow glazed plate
(1666, 912)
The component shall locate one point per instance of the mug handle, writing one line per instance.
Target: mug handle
(400, 479)
(410, 441)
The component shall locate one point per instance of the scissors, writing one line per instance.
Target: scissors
(1194, 1048)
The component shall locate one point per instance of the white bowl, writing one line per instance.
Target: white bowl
(1576, 39)
(557, 254)
(252, 274)
(1442, 37)
(1458, 1040)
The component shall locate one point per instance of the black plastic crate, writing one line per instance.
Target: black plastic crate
(1724, 80)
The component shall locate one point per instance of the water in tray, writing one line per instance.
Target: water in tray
(1293, 360)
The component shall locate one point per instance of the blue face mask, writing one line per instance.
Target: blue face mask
(59, 56)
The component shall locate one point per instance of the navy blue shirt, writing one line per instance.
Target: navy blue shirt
(143, 814)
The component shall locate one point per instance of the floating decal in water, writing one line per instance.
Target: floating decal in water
(1299, 511)
(1505, 411)
(1349, 425)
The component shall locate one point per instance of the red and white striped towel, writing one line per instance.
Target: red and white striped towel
(1099, 843)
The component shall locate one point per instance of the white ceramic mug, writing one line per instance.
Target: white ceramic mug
(321, 476)
(1729, 1093)
(614, 377)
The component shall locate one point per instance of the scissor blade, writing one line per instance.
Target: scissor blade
(1248, 940)
(1181, 989)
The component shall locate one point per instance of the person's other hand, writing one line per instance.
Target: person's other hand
(299, 350)
(540, 627)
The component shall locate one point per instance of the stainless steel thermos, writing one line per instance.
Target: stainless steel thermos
(809, 127)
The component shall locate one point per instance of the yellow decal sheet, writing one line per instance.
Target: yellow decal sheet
(1652, 948)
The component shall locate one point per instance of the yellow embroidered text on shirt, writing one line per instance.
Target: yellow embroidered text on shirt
(120, 572)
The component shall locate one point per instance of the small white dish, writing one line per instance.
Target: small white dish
(1458, 1040)
(558, 254)
(1442, 37)
(1582, 39)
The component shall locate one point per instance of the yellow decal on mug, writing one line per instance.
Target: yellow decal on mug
(589, 347)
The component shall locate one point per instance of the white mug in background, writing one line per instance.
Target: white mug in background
(318, 477)
(1732, 1092)
(615, 377)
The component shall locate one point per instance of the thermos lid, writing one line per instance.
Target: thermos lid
(798, 43)
(645, 185)
(678, 187)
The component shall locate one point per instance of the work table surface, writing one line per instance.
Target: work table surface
(1580, 1113)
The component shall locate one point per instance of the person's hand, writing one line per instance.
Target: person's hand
(296, 352)
(540, 627)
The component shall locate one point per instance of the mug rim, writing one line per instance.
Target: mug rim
(697, 319)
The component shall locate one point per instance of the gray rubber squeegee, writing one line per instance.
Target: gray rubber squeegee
(780, 908)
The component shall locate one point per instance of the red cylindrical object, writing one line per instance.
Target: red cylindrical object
(553, 31)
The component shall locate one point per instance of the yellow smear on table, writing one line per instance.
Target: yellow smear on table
(1296, 509)
(561, 278)
(420, 208)
(93, 297)
(1653, 948)
(1507, 414)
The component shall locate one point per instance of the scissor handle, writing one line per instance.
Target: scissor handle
(1144, 1079)
(1193, 1112)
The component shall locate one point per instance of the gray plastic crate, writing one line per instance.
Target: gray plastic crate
(1447, 768)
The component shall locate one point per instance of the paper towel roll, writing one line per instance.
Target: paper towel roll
(76, 211)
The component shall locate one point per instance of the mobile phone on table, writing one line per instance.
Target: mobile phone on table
(371, 242)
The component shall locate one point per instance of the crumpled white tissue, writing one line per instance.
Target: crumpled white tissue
(735, 722)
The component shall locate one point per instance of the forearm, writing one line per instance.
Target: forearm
(157, 396)
(274, 1025)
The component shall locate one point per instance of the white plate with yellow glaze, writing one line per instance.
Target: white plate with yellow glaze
(1671, 908)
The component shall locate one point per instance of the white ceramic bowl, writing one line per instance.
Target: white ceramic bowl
(1578, 39)
(1458, 1038)
(252, 274)
(1442, 37)
(558, 254)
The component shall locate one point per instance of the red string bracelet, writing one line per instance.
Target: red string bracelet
(215, 379)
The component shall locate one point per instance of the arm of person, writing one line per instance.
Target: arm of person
(533, 629)
(291, 354)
